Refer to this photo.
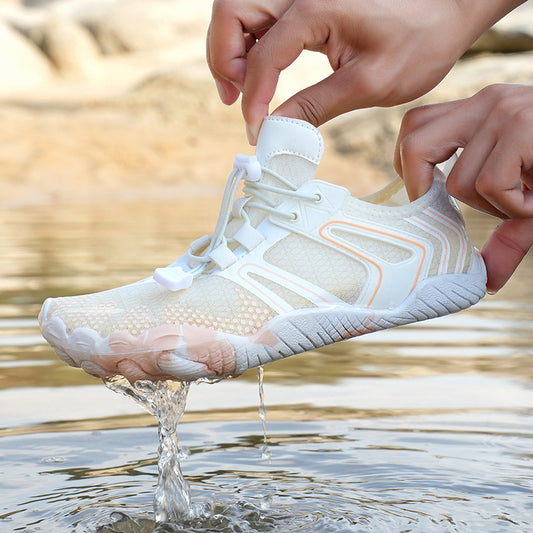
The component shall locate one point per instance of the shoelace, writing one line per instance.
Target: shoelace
(216, 249)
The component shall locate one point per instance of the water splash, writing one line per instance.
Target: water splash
(165, 400)
(265, 449)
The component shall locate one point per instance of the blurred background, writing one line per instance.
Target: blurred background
(114, 149)
(113, 98)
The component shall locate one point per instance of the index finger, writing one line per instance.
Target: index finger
(274, 52)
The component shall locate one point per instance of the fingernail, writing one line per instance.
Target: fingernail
(491, 292)
(252, 132)
(221, 90)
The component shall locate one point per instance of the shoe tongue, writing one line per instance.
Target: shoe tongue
(292, 148)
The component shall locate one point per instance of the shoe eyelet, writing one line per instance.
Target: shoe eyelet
(318, 197)
(295, 216)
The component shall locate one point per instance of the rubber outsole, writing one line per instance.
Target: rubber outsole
(293, 333)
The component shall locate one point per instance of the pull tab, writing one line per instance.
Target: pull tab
(173, 278)
(250, 164)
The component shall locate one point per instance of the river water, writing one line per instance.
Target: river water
(422, 428)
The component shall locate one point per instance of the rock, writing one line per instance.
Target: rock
(371, 133)
(171, 136)
(471, 75)
(82, 10)
(495, 40)
(69, 46)
(20, 16)
(514, 33)
(23, 66)
(137, 26)
(119, 25)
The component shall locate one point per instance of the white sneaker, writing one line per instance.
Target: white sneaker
(295, 264)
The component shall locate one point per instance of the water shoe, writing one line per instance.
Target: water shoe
(294, 264)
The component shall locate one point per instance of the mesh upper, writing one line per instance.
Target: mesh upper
(212, 301)
(318, 264)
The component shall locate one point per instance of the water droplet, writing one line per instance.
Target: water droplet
(265, 450)
(184, 452)
(266, 502)
(266, 454)
(53, 460)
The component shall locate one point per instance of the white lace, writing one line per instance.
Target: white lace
(215, 246)
(252, 189)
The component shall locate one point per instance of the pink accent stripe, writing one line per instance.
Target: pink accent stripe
(258, 289)
(462, 239)
(431, 229)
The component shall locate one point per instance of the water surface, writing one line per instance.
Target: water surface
(421, 428)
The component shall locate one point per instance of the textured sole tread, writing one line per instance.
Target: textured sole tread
(308, 329)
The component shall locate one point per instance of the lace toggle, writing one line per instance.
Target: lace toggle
(250, 164)
(173, 278)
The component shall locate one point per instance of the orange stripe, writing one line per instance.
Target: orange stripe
(373, 230)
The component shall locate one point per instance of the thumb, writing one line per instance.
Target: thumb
(505, 249)
(346, 89)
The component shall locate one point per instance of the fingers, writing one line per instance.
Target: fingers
(495, 128)
(227, 92)
(444, 129)
(505, 249)
(463, 179)
(226, 52)
(378, 55)
(500, 178)
(235, 26)
(415, 119)
(499, 156)
(494, 172)
(352, 86)
(355, 83)
(274, 52)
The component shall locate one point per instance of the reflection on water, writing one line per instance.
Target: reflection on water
(420, 428)
(386, 474)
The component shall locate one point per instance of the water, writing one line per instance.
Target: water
(422, 428)
(265, 450)
(166, 400)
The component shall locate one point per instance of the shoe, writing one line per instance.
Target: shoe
(295, 264)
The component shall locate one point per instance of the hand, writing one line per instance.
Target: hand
(494, 172)
(382, 52)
